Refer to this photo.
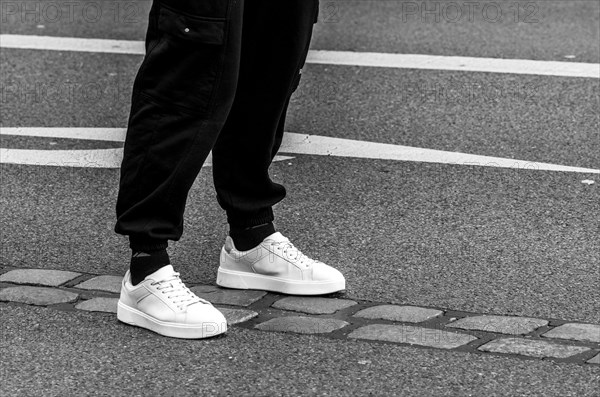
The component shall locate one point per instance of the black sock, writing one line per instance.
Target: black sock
(248, 238)
(145, 263)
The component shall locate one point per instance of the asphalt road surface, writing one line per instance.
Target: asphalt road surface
(521, 242)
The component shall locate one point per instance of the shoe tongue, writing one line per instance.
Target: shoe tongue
(276, 237)
(161, 274)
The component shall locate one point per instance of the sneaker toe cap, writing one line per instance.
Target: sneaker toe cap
(324, 272)
(203, 313)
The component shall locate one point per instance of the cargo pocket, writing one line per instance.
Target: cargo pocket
(181, 69)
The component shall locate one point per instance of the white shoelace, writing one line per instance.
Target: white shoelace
(293, 254)
(177, 292)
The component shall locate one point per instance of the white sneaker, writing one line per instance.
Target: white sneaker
(276, 265)
(163, 304)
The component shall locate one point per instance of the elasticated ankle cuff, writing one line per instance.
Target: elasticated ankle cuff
(241, 220)
(245, 239)
(147, 245)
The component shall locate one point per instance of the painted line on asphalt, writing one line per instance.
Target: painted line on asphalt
(292, 144)
(347, 58)
(456, 63)
(87, 134)
(328, 146)
(88, 158)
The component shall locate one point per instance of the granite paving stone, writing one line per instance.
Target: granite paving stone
(531, 347)
(576, 331)
(501, 324)
(49, 278)
(236, 316)
(234, 297)
(313, 305)
(102, 283)
(412, 335)
(302, 325)
(594, 360)
(198, 289)
(39, 296)
(409, 314)
(107, 305)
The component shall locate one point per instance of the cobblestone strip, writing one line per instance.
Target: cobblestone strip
(412, 335)
(102, 283)
(40, 296)
(574, 331)
(302, 325)
(49, 278)
(218, 296)
(333, 317)
(501, 324)
(106, 305)
(533, 348)
(407, 314)
(313, 305)
(595, 359)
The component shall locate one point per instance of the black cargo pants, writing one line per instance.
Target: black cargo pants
(218, 74)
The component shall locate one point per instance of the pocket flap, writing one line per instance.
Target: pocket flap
(204, 30)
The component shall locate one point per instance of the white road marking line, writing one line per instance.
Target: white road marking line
(321, 145)
(94, 158)
(466, 64)
(55, 43)
(348, 58)
(90, 158)
(83, 133)
(292, 144)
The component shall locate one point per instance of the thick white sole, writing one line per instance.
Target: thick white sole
(129, 315)
(244, 280)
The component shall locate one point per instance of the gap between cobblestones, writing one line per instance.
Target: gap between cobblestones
(422, 327)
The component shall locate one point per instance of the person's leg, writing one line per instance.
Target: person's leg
(181, 98)
(275, 41)
(182, 95)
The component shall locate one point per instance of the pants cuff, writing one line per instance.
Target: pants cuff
(245, 220)
(147, 245)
